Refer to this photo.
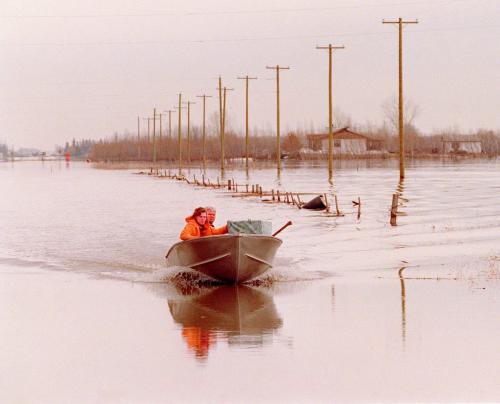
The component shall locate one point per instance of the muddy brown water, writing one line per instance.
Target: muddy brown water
(354, 310)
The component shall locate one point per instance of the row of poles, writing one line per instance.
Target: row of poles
(222, 95)
(280, 196)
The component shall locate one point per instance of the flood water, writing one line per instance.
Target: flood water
(355, 310)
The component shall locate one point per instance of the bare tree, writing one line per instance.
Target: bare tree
(390, 107)
(341, 119)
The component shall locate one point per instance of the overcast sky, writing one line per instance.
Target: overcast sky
(86, 69)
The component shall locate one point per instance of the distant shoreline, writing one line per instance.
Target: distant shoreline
(240, 163)
(263, 162)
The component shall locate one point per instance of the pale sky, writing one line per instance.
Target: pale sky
(86, 69)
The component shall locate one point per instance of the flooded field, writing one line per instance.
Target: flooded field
(354, 310)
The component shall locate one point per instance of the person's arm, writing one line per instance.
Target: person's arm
(188, 232)
(220, 230)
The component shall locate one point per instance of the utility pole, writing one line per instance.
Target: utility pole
(204, 96)
(138, 138)
(224, 112)
(330, 48)
(169, 122)
(147, 119)
(222, 116)
(221, 130)
(179, 132)
(154, 133)
(278, 144)
(246, 78)
(188, 103)
(168, 143)
(400, 23)
(160, 115)
(160, 137)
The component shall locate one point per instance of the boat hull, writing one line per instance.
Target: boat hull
(317, 203)
(231, 258)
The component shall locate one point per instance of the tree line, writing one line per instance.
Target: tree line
(262, 146)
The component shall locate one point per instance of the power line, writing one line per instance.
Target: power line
(270, 38)
(237, 12)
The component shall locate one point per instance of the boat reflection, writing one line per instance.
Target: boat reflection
(241, 315)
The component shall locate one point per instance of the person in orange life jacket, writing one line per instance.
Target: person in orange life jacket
(209, 229)
(195, 224)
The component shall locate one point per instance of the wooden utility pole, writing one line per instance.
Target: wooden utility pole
(161, 116)
(222, 114)
(154, 134)
(400, 23)
(179, 133)
(221, 130)
(224, 111)
(168, 144)
(204, 96)
(138, 138)
(278, 142)
(330, 48)
(169, 122)
(188, 103)
(147, 119)
(246, 78)
(160, 136)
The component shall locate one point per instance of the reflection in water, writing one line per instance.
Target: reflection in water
(403, 305)
(401, 201)
(242, 315)
(333, 297)
(278, 179)
(401, 187)
(400, 191)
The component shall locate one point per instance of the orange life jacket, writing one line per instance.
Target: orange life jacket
(191, 230)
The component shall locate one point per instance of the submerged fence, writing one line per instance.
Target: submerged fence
(290, 198)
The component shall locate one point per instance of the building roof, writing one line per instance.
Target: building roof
(343, 133)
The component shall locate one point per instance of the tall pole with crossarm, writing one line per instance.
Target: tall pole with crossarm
(330, 48)
(138, 138)
(400, 23)
(149, 120)
(222, 115)
(204, 96)
(179, 133)
(189, 103)
(246, 78)
(168, 143)
(221, 129)
(154, 133)
(278, 141)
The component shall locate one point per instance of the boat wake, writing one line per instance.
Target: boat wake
(284, 271)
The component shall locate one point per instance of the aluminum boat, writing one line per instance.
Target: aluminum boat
(231, 258)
